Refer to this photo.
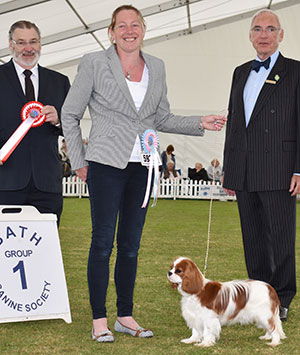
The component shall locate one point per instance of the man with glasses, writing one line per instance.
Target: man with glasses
(32, 174)
(262, 157)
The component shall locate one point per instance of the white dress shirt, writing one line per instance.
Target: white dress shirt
(254, 84)
(34, 78)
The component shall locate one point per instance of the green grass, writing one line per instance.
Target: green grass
(172, 228)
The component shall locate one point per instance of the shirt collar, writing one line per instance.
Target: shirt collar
(273, 57)
(20, 70)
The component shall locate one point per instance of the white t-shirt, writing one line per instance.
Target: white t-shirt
(138, 91)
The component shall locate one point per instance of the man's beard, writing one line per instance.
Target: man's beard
(27, 63)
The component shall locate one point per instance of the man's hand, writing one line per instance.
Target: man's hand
(82, 173)
(51, 114)
(295, 185)
(228, 192)
(213, 122)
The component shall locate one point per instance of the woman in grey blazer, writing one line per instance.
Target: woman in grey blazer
(125, 90)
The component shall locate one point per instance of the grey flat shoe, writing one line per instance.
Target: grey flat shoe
(103, 337)
(140, 332)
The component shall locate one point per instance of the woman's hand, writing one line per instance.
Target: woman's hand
(82, 173)
(213, 122)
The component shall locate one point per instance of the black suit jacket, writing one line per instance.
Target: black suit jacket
(264, 155)
(37, 154)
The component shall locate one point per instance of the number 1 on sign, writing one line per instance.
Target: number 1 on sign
(20, 266)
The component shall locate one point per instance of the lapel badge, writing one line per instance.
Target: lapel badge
(277, 77)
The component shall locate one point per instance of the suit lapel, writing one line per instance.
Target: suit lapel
(278, 72)
(150, 82)
(116, 68)
(241, 82)
(12, 78)
(43, 87)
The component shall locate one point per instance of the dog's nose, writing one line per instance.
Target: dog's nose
(169, 273)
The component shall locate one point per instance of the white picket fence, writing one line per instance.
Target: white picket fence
(72, 186)
(190, 189)
(184, 189)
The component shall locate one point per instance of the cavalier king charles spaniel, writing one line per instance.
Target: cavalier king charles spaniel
(207, 305)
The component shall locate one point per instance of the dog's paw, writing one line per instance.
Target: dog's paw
(274, 343)
(189, 340)
(205, 344)
(267, 336)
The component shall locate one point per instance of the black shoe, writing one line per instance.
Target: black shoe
(283, 313)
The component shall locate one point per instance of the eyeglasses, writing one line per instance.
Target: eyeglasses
(269, 30)
(23, 44)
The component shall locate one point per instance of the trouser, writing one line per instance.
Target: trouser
(44, 202)
(115, 193)
(268, 221)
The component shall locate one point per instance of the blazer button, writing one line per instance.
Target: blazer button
(272, 111)
(266, 130)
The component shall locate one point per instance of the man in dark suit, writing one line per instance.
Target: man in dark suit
(262, 157)
(32, 174)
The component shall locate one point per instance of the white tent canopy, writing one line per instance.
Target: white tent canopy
(71, 28)
(200, 41)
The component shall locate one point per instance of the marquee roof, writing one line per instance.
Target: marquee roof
(71, 28)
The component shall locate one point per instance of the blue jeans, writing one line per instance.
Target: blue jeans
(115, 192)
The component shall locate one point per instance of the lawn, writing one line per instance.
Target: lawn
(172, 228)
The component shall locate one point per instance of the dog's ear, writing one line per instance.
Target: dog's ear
(192, 280)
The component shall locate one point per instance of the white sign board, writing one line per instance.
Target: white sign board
(32, 279)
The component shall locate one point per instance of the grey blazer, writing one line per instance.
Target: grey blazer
(100, 84)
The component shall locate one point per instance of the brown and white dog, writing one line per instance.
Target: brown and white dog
(207, 305)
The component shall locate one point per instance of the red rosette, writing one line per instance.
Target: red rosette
(33, 109)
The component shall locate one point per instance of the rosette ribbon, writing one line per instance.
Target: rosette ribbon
(150, 146)
(32, 117)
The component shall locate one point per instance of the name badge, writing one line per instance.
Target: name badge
(145, 159)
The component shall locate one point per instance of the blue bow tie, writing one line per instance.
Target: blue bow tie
(256, 64)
